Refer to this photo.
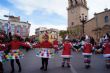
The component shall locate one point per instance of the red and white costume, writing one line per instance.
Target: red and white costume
(106, 50)
(87, 49)
(66, 53)
(55, 44)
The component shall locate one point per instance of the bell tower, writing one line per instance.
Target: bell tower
(75, 9)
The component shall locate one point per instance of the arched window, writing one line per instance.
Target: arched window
(106, 19)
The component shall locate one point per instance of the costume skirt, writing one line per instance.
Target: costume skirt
(44, 52)
(2, 56)
(15, 54)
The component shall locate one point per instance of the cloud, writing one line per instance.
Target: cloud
(29, 6)
(97, 6)
(49, 7)
(57, 6)
(3, 11)
(34, 26)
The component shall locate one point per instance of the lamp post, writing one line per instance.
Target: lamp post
(83, 20)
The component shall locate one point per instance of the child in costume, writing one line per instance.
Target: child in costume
(105, 49)
(15, 54)
(66, 53)
(87, 52)
(106, 52)
(45, 53)
(55, 45)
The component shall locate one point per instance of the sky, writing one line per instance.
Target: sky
(46, 13)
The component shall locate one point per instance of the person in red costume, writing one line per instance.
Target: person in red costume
(106, 52)
(44, 46)
(2, 49)
(66, 53)
(14, 46)
(55, 45)
(87, 52)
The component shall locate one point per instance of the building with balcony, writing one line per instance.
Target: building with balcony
(14, 25)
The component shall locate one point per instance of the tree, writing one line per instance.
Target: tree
(63, 33)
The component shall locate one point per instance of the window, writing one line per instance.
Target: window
(18, 29)
(12, 28)
(6, 28)
(106, 19)
(24, 31)
(0, 26)
(72, 23)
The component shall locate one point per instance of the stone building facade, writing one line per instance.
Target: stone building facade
(75, 9)
(95, 27)
(99, 25)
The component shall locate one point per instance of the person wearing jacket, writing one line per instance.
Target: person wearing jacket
(87, 52)
(14, 53)
(45, 46)
(106, 52)
(55, 45)
(66, 52)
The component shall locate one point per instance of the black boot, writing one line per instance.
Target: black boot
(87, 66)
(43, 61)
(63, 65)
(42, 68)
(12, 71)
(68, 65)
(19, 65)
(1, 67)
(45, 69)
(108, 66)
(19, 70)
(12, 66)
(46, 65)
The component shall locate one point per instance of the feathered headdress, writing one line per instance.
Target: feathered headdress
(67, 37)
(87, 38)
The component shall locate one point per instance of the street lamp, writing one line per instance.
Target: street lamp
(83, 20)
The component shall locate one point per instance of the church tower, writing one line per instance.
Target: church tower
(75, 9)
